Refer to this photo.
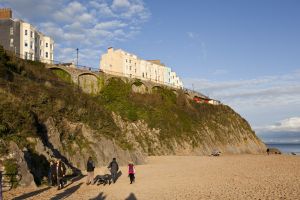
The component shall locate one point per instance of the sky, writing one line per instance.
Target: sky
(245, 53)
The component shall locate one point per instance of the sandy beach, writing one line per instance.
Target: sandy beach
(189, 177)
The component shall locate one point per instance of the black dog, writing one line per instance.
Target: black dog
(103, 179)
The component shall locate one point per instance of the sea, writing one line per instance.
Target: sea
(286, 148)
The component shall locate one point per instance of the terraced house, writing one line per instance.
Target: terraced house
(24, 39)
(121, 63)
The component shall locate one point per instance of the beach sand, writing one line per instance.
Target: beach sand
(190, 177)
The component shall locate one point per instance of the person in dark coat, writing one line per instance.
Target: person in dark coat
(61, 172)
(90, 166)
(53, 175)
(114, 168)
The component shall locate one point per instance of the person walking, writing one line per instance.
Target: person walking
(61, 172)
(114, 168)
(131, 172)
(90, 166)
(53, 174)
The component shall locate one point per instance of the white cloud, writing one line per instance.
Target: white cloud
(287, 125)
(110, 25)
(270, 90)
(262, 101)
(284, 131)
(90, 26)
(120, 4)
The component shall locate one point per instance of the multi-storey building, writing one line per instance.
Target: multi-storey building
(24, 39)
(121, 63)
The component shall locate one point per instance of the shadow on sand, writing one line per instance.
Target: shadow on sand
(100, 196)
(119, 174)
(31, 194)
(68, 192)
(131, 197)
(34, 193)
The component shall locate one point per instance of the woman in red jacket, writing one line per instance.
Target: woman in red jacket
(131, 172)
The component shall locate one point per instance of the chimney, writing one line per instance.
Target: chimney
(110, 49)
(5, 13)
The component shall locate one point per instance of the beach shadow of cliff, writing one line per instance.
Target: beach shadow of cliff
(100, 196)
(66, 193)
(31, 194)
(36, 192)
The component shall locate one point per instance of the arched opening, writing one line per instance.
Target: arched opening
(90, 83)
(62, 74)
(139, 87)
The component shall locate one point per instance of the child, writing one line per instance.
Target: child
(131, 172)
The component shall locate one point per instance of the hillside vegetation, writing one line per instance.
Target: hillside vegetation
(37, 108)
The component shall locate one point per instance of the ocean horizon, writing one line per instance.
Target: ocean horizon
(286, 147)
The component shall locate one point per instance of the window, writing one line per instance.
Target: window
(26, 55)
(46, 44)
(26, 44)
(11, 30)
(25, 32)
(40, 42)
(31, 45)
(130, 68)
(11, 43)
(30, 33)
(46, 54)
(50, 46)
(143, 75)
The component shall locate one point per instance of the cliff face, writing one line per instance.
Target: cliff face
(45, 117)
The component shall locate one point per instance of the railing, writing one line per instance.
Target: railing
(7, 181)
(49, 61)
(151, 79)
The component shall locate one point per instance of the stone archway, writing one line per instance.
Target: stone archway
(139, 87)
(62, 74)
(90, 83)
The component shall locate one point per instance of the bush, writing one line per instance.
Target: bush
(11, 169)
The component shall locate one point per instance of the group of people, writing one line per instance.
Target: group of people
(114, 168)
(57, 173)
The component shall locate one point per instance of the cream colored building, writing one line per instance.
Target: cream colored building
(121, 63)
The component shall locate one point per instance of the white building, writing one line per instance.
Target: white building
(121, 63)
(24, 39)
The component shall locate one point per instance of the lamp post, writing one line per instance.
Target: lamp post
(77, 56)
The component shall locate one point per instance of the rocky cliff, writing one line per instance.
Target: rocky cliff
(44, 117)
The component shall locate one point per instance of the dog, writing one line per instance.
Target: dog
(103, 179)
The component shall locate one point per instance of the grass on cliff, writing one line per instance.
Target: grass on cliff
(30, 94)
(176, 117)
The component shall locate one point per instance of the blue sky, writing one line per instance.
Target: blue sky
(245, 53)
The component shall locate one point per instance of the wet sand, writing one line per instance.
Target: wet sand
(190, 177)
